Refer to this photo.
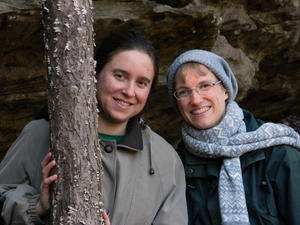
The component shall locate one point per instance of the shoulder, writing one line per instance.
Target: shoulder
(273, 158)
(164, 155)
(36, 131)
(277, 154)
(251, 122)
(161, 146)
(167, 164)
(27, 152)
(37, 126)
(283, 154)
(34, 139)
(157, 139)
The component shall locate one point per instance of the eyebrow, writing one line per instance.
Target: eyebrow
(201, 82)
(120, 71)
(145, 79)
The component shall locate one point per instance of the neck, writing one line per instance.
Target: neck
(112, 128)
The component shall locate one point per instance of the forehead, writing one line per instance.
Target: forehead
(193, 70)
(132, 62)
(132, 53)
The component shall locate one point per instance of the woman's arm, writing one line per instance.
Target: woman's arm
(19, 204)
(21, 175)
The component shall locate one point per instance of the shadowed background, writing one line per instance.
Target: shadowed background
(260, 39)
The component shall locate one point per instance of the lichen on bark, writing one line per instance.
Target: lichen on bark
(69, 43)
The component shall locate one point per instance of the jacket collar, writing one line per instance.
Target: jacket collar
(213, 164)
(133, 140)
(252, 157)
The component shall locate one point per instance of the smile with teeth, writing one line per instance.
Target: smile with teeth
(202, 110)
(122, 102)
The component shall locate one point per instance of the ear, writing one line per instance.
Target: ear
(226, 95)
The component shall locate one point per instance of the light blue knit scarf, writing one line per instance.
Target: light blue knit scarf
(230, 140)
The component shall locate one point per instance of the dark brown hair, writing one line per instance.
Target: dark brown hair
(122, 41)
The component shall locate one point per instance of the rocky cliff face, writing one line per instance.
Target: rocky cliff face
(259, 39)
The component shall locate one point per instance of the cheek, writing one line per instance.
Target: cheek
(182, 108)
(98, 88)
(142, 96)
(99, 84)
(220, 96)
(103, 90)
(106, 86)
(221, 103)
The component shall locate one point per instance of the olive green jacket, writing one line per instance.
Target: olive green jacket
(132, 195)
(271, 180)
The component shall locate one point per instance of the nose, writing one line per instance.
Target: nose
(129, 89)
(195, 97)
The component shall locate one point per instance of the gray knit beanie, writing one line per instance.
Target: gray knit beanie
(213, 62)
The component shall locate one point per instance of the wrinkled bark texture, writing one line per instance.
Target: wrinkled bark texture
(68, 38)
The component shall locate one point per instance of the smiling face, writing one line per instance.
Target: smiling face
(123, 86)
(204, 110)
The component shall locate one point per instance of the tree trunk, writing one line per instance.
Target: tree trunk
(69, 51)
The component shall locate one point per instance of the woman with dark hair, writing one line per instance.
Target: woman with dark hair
(239, 170)
(143, 176)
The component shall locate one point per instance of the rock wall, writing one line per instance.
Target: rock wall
(259, 39)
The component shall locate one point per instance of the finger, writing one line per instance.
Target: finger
(50, 179)
(46, 170)
(105, 217)
(46, 182)
(46, 159)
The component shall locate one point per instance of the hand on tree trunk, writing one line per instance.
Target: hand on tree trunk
(105, 217)
(43, 205)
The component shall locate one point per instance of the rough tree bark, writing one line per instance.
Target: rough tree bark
(69, 43)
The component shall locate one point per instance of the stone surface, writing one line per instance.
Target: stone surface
(259, 39)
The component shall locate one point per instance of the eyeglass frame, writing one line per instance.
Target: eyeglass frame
(197, 89)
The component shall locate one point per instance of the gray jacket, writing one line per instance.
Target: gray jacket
(131, 194)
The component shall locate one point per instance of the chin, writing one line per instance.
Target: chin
(113, 118)
(202, 126)
(119, 119)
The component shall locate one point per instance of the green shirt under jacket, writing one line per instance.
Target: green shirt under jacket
(271, 180)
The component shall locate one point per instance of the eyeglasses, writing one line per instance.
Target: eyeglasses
(184, 93)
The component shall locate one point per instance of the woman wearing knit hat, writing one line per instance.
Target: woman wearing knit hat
(239, 170)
